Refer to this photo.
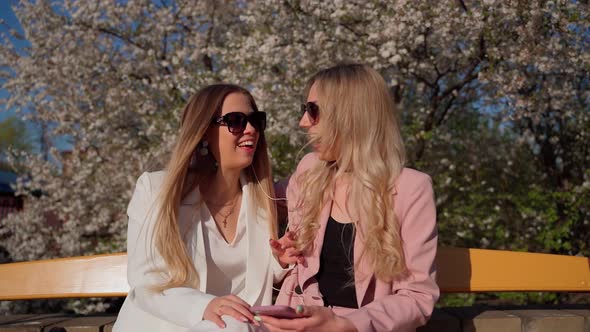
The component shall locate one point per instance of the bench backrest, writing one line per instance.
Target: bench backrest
(459, 270)
(463, 270)
(84, 276)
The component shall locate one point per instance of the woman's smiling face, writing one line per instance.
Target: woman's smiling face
(234, 150)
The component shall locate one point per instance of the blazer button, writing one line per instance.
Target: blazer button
(298, 290)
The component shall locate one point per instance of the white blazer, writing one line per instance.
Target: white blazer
(181, 308)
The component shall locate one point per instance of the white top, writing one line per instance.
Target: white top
(180, 309)
(226, 262)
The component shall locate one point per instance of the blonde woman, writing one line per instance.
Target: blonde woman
(198, 234)
(365, 224)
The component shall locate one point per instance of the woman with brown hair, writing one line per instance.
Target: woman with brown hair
(199, 231)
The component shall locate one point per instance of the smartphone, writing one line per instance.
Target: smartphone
(277, 311)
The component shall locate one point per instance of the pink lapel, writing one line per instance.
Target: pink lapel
(363, 272)
(313, 261)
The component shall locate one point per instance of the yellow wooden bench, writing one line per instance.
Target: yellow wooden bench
(460, 270)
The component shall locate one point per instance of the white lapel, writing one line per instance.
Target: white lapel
(258, 246)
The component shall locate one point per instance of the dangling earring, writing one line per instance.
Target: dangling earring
(193, 162)
(203, 151)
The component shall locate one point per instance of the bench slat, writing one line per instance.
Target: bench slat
(33, 324)
(459, 270)
(84, 276)
(463, 270)
(85, 324)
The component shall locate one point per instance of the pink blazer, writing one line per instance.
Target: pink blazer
(401, 305)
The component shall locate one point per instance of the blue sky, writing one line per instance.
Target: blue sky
(10, 20)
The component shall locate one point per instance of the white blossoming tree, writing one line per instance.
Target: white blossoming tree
(494, 97)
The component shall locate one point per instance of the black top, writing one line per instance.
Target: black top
(336, 276)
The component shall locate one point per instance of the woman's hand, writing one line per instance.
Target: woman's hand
(285, 251)
(313, 318)
(229, 305)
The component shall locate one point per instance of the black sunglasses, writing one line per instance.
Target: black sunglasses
(312, 109)
(236, 122)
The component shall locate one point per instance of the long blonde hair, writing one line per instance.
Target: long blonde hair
(182, 175)
(358, 121)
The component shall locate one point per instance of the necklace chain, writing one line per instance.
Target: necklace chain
(231, 210)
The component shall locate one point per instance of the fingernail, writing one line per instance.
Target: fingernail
(299, 309)
(257, 318)
(244, 319)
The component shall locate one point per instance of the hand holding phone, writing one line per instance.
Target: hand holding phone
(277, 311)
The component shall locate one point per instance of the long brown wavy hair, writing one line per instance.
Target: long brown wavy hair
(182, 175)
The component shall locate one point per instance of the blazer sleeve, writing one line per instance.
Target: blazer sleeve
(183, 306)
(281, 188)
(413, 297)
(292, 192)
